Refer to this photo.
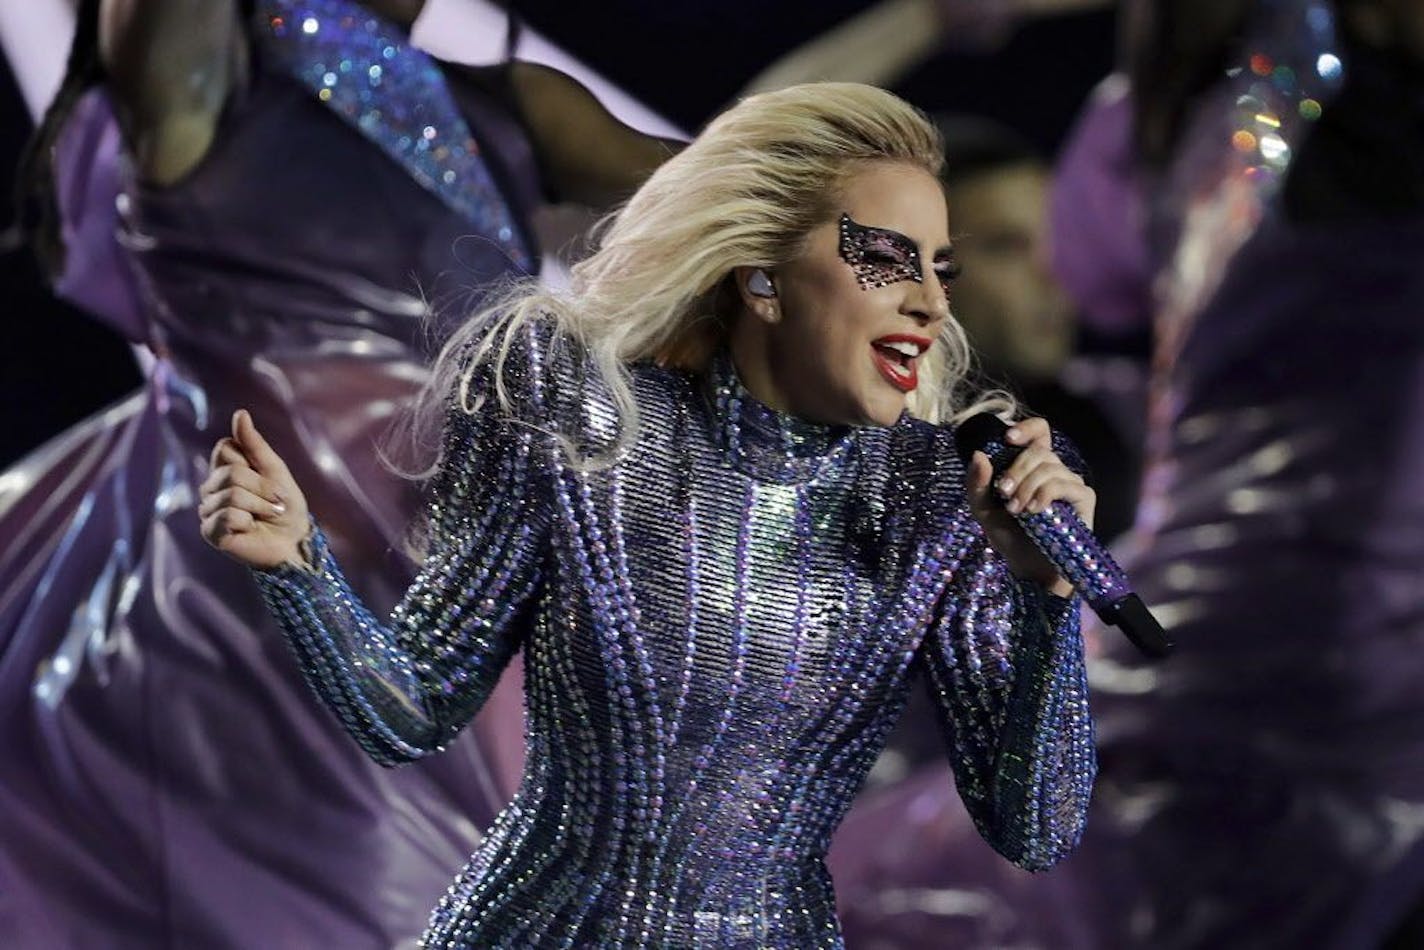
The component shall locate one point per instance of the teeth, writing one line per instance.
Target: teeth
(909, 349)
(901, 371)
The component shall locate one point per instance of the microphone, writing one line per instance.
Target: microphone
(1069, 544)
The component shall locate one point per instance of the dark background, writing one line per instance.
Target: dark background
(685, 60)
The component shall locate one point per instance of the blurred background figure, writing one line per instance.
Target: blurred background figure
(1022, 324)
(1255, 188)
(265, 197)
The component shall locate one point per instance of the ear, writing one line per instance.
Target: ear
(757, 292)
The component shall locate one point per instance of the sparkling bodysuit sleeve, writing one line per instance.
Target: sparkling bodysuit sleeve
(404, 686)
(1005, 667)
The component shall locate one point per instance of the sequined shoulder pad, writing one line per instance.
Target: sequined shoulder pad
(922, 457)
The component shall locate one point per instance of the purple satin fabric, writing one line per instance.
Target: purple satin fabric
(96, 276)
(169, 779)
(1098, 220)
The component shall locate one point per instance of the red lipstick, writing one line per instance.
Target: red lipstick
(896, 356)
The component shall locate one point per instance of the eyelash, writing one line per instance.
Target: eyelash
(950, 271)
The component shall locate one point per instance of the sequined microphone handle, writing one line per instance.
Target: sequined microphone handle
(1070, 545)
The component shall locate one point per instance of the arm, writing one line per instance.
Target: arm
(406, 685)
(587, 156)
(170, 65)
(877, 46)
(883, 44)
(1004, 664)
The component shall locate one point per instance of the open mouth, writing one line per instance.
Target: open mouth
(896, 357)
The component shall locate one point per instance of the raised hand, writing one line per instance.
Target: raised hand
(1034, 480)
(251, 507)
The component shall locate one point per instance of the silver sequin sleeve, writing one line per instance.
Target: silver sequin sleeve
(1004, 664)
(405, 685)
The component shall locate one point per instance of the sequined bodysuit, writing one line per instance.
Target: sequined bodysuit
(720, 630)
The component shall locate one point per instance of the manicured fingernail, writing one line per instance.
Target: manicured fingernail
(278, 507)
(1013, 504)
(1006, 487)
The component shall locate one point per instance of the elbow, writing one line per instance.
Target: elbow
(394, 758)
(391, 749)
(1044, 852)
(1043, 846)
(1053, 831)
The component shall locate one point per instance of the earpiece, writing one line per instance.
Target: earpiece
(759, 284)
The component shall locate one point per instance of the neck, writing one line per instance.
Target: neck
(765, 443)
(751, 353)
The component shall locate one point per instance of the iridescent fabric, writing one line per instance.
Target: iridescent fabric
(1264, 786)
(367, 72)
(168, 779)
(720, 631)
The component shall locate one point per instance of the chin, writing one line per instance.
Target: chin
(884, 413)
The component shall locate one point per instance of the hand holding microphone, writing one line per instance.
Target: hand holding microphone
(1049, 540)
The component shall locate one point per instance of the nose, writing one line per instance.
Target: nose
(926, 302)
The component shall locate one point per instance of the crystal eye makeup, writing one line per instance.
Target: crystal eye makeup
(879, 256)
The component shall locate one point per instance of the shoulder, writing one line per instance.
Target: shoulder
(919, 459)
(926, 448)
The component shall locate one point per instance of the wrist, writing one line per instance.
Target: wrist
(304, 555)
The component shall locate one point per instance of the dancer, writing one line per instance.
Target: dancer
(712, 493)
(295, 180)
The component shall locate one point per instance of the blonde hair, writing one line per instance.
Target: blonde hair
(745, 192)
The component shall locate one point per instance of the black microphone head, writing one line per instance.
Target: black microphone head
(977, 433)
(1131, 616)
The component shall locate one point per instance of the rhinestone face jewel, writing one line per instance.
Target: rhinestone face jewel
(880, 257)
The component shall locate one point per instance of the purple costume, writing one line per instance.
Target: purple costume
(720, 630)
(1264, 786)
(169, 781)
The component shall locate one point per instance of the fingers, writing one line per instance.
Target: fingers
(1027, 462)
(980, 473)
(1027, 488)
(1031, 432)
(222, 525)
(251, 443)
(226, 452)
(976, 485)
(1037, 477)
(240, 475)
(240, 498)
(1071, 490)
(235, 496)
(1045, 484)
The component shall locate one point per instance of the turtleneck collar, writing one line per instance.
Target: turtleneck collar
(765, 444)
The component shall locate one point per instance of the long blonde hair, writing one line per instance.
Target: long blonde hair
(745, 192)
